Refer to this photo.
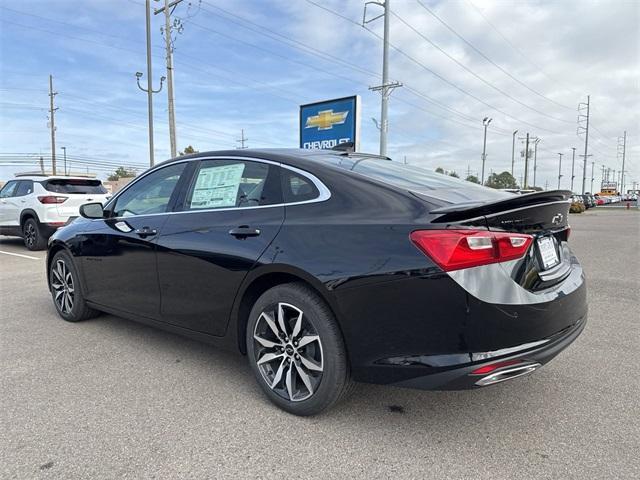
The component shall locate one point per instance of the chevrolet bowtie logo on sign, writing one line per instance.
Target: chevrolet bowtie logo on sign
(330, 123)
(326, 119)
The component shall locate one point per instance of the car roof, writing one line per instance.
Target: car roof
(297, 157)
(40, 178)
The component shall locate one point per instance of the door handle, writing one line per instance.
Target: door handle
(145, 232)
(244, 231)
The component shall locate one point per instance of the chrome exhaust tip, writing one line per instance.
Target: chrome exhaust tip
(508, 373)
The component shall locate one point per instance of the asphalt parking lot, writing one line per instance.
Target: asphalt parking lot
(109, 398)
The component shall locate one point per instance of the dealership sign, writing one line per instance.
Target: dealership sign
(330, 123)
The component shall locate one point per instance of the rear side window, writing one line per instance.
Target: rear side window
(72, 185)
(296, 188)
(233, 184)
(25, 187)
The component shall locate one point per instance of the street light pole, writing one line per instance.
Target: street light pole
(560, 169)
(65, 160)
(513, 151)
(573, 161)
(535, 159)
(485, 122)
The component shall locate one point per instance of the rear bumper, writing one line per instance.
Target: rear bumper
(48, 229)
(457, 374)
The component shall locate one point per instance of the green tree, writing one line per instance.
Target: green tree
(473, 179)
(121, 172)
(501, 180)
(439, 170)
(188, 151)
(453, 173)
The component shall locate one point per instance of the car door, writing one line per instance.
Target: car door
(231, 212)
(119, 252)
(9, 211)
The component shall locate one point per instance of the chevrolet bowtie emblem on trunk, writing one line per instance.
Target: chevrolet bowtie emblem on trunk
(326, 119)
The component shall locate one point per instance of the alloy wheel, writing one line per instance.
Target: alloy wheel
(288, 352)
(30, 234)
(63, 287)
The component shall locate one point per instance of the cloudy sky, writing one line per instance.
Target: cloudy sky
(249, 64)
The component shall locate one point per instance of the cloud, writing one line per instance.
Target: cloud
(563, 50)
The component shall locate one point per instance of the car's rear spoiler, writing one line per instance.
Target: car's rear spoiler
(465, 211)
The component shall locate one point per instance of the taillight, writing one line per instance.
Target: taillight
(52, 199)
(457, 249)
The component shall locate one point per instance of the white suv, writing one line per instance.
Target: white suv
(33, 207)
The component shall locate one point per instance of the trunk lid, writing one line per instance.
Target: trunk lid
(71, 206)
(544, 215)
(532, 213)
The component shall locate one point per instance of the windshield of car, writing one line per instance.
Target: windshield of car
(72, 185)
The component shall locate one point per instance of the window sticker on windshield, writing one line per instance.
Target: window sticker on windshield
(217, 187)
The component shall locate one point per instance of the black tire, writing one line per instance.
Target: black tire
(328, 351)
(33, 236)
(62, 266)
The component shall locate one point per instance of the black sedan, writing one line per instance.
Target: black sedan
(327, 267)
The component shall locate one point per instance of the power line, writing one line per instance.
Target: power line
(310, 50)
(469, 70)
(516, 49)
(437, 75)
(479, 52)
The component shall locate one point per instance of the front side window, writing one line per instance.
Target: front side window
(151, 194)
(25, 187)
(233, 184)
(8, 190)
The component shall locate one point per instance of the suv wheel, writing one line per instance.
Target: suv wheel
(33, 238)
(66, 290)
(296, 350)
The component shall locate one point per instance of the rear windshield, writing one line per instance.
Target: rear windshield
(419, 180)
(72, 185)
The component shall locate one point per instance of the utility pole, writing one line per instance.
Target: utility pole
(573, 162)
(387, 87)
(169, 54)
(149, 90)
(560, 169)
(513, 151)
(535, 160)
(52, 124)
(485, 122)
(592, 166)
(242, 140)
(624, 151)
(582, 107)
(65, 160)
(41, 165)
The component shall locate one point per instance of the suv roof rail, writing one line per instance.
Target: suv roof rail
(31, 174)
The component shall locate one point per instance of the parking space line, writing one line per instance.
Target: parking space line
(20, 255)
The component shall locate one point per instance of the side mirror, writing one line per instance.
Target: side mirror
(92, 210)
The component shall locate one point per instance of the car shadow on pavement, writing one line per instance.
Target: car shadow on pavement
(229, 375)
